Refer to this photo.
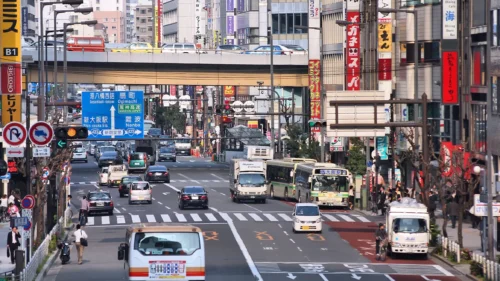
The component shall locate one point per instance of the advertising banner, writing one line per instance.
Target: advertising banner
(25, 20)
(230, 5)
(353, 52)
(450, 22)
(383, 147)
(229, 92)
(384, 37)
(450, 77)
(159, 24)
(197, 19)
(230, 25)
(315, 90)
(313, 8)
(353, 5)
(241, 5)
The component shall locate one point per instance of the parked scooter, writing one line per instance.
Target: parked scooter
(65, 252)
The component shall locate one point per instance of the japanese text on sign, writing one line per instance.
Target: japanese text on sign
(450, 78)
(313, 8)
(384, 37)
(10, 33)
(315, 90)
(11, 108)
(352, 52)
(450, 21)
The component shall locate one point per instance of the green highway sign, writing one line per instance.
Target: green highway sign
(62, 144)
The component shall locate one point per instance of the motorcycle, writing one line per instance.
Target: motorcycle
(65, 252)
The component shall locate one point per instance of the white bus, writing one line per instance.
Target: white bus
(324, 184)
(280, 177)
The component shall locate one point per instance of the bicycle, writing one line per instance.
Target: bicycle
(383, 250)
(4, 216)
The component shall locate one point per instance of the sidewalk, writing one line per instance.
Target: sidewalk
(5, 264)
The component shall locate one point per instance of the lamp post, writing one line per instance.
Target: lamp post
(41, 67)
(65, 61)
(85, 11)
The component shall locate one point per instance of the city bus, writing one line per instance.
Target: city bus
(324, 184)
(280, 177)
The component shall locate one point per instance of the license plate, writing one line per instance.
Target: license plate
(305, 227)
(141, 198)
(252, 196)
(100, 204)
(137, 164)
(157, 174)
(194, 197)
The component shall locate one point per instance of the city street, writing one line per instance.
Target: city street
(242, 240)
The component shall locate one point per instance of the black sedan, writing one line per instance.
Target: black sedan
(110, 158)
(157, 173)
(193, 196)
(124, 186)
(100, 201)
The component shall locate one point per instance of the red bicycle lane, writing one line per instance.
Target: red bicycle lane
(399, 277)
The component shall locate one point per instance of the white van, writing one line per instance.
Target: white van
(307, 217)
(159, 251)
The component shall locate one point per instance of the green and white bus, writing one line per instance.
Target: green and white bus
(324, 184)
(280, 176)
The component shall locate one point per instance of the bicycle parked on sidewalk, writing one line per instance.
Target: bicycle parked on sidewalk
(4, 215)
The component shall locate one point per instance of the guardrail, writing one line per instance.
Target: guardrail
(449, 246)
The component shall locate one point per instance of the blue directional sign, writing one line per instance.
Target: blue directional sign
(114, 114)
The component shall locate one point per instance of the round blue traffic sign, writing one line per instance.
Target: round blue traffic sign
(28, 202)
(27, 226)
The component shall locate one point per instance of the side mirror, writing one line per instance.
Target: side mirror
(122, 251)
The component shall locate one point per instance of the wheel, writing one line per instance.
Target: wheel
(293, 230)
(175, 160)
(129, 202)
(205, 207)
(150, 202)
(86, 161)
(181, 206)
(320, 231)
(168, 181)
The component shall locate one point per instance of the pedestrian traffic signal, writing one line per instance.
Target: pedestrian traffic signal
(66, 133)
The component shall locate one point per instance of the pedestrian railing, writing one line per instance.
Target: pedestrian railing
(491, 269)
(449, 247)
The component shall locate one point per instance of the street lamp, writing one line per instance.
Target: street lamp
(65, 62)
(41, 67)
(85, 11)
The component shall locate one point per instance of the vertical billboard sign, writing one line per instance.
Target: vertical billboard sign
(197, 21)
(450, 23)
(450, 77)
(353, 54)
(25, 21)
(229, 92)
(449, 53)
(315, 90)
(10, 59)
(384, 48)
(159, 24)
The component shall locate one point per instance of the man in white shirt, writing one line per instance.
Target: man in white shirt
(12, 198)
(79, 234)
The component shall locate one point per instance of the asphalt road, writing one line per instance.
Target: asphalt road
(244, 241)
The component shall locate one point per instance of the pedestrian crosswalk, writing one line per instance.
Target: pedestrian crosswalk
(212, 217)
(172, 181)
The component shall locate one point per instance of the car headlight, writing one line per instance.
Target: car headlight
(423, 245)
(318, 220)
(396, 245)
(297, 220)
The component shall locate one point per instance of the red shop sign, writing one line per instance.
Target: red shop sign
(352, 53)
(450, 77)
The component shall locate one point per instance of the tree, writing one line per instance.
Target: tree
(298, 144)
(171, 117)
(356, 162)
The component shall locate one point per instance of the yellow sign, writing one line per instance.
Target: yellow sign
(25, 84)
(11, 108)
(385, 37)
(10, 32)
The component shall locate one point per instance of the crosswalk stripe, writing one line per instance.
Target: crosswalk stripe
(204, 180)
(255, 217)
(361, 218)
(270, 217)
(210, 217)
(105, 220)
(240, 217)
(285, 217)
(151, 218)
(196, 217)
(90, 221)
(135, 218)
(181, 217)
(346, 218)
(330, 217)
(120, 219)
(166, 218)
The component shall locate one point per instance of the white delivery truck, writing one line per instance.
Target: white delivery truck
(247, 180)
(408, 227)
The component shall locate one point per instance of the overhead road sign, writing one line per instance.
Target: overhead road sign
(15, 152)
(14, 134)
(114, 114)
(41, 133)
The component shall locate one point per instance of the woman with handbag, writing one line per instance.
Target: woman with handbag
(80, 241)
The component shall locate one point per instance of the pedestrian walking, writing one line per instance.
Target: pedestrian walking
(432, 205)
(3, 205)
(80, 241)
(84, 211)
(13, 242)
(381, 200)
(12, 197)
(351, 197)
(14, 213)
(453, 211)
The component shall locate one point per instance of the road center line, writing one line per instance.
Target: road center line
(213, 209)
(160, 203)
(220, 178)
(292, 240)
(299, 249)
(167, 207)
(389, 277)
(188, 178)
(172, 187)
(243, 248)
(253, 208)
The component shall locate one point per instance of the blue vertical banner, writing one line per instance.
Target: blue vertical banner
(241, 5)
(230, 25)
(24, 17)
(190, 90)
(383, 147)
(230, 5)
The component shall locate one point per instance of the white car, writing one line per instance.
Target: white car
(140, 191)
(103, 176)
(307, 217)
(79, 154)
(179, 48)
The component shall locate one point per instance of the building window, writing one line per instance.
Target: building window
(287, 23)
(113, 27)
(143, 11)
(479, 127)
(494, 27)
(143, 20)
(97, 8)
(428, 52)
(494, 94)
(478, 75)
(478, 12)
(150, 28)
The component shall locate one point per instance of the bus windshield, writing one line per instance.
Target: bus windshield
(325, 183)
(252, 179)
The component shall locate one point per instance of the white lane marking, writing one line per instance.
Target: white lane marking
(116, 210)
(323, 277)
(243, 248)
(286, 233)
(205, 181)
(151, 218)
(346, 218)
(153, 198)
(213, 209)
(285, 217)
(167, 207)
(270, 217)
(124, 209)
(253, 208)
(240, 217)
(389, 277)
(172, 187)
(105, 220)
(93, 182)
(292, 240)
(425, 277)
(96, 186)
(214, 190)
(175, 166)
(135, 218)
(160, 203)
(196, 217)
(330, 217)
(181, 217)
(188, 178)
(166, 218)
(90, 221)
(280, 225)
(222, 194)
(444, 271)
(216, 181)
(96, 163)
(220, 178)
(299, 249)
(210, 217)
(255, 217)
(120, 219)
(182, 180)
(361, 218)
(119, 226)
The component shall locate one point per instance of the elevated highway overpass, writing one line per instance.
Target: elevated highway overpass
(174, 69)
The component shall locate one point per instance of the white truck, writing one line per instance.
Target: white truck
(408, 227)
(247, 180)
(115, 174)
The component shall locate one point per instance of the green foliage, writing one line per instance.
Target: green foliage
(452, 256)
(465, 255)
(298, 144)
(42, 264)
(476, 269)
(435, 231)
(53, 243)
(356, 162)
(171, 116)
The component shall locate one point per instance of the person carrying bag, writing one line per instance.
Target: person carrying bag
(80, 241)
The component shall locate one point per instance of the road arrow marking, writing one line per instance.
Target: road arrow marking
(355, 276)
(291, 276)
(112, 110)
(166, 193)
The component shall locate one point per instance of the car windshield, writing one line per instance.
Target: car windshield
(252, 179)
(101, 143)
(167, 244)
(137, 156)
(295, 48)
(307, 211)
(157, 169)
(104, 170)
(148, 125)
(99, 196)
(193, 190)
(330, 183)
(109, 154)
(79, 150)
(182, 140)
(140, 186)
(167, 150)
(409, 225)
(130, 179)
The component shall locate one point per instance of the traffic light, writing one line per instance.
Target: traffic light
(78, 108)
(318, 123)
(204, 41)
(227, 110)
(69, 133)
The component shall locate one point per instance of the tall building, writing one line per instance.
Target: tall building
(184, 21)
(29, 19)
(114, 23)
(143, 23)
